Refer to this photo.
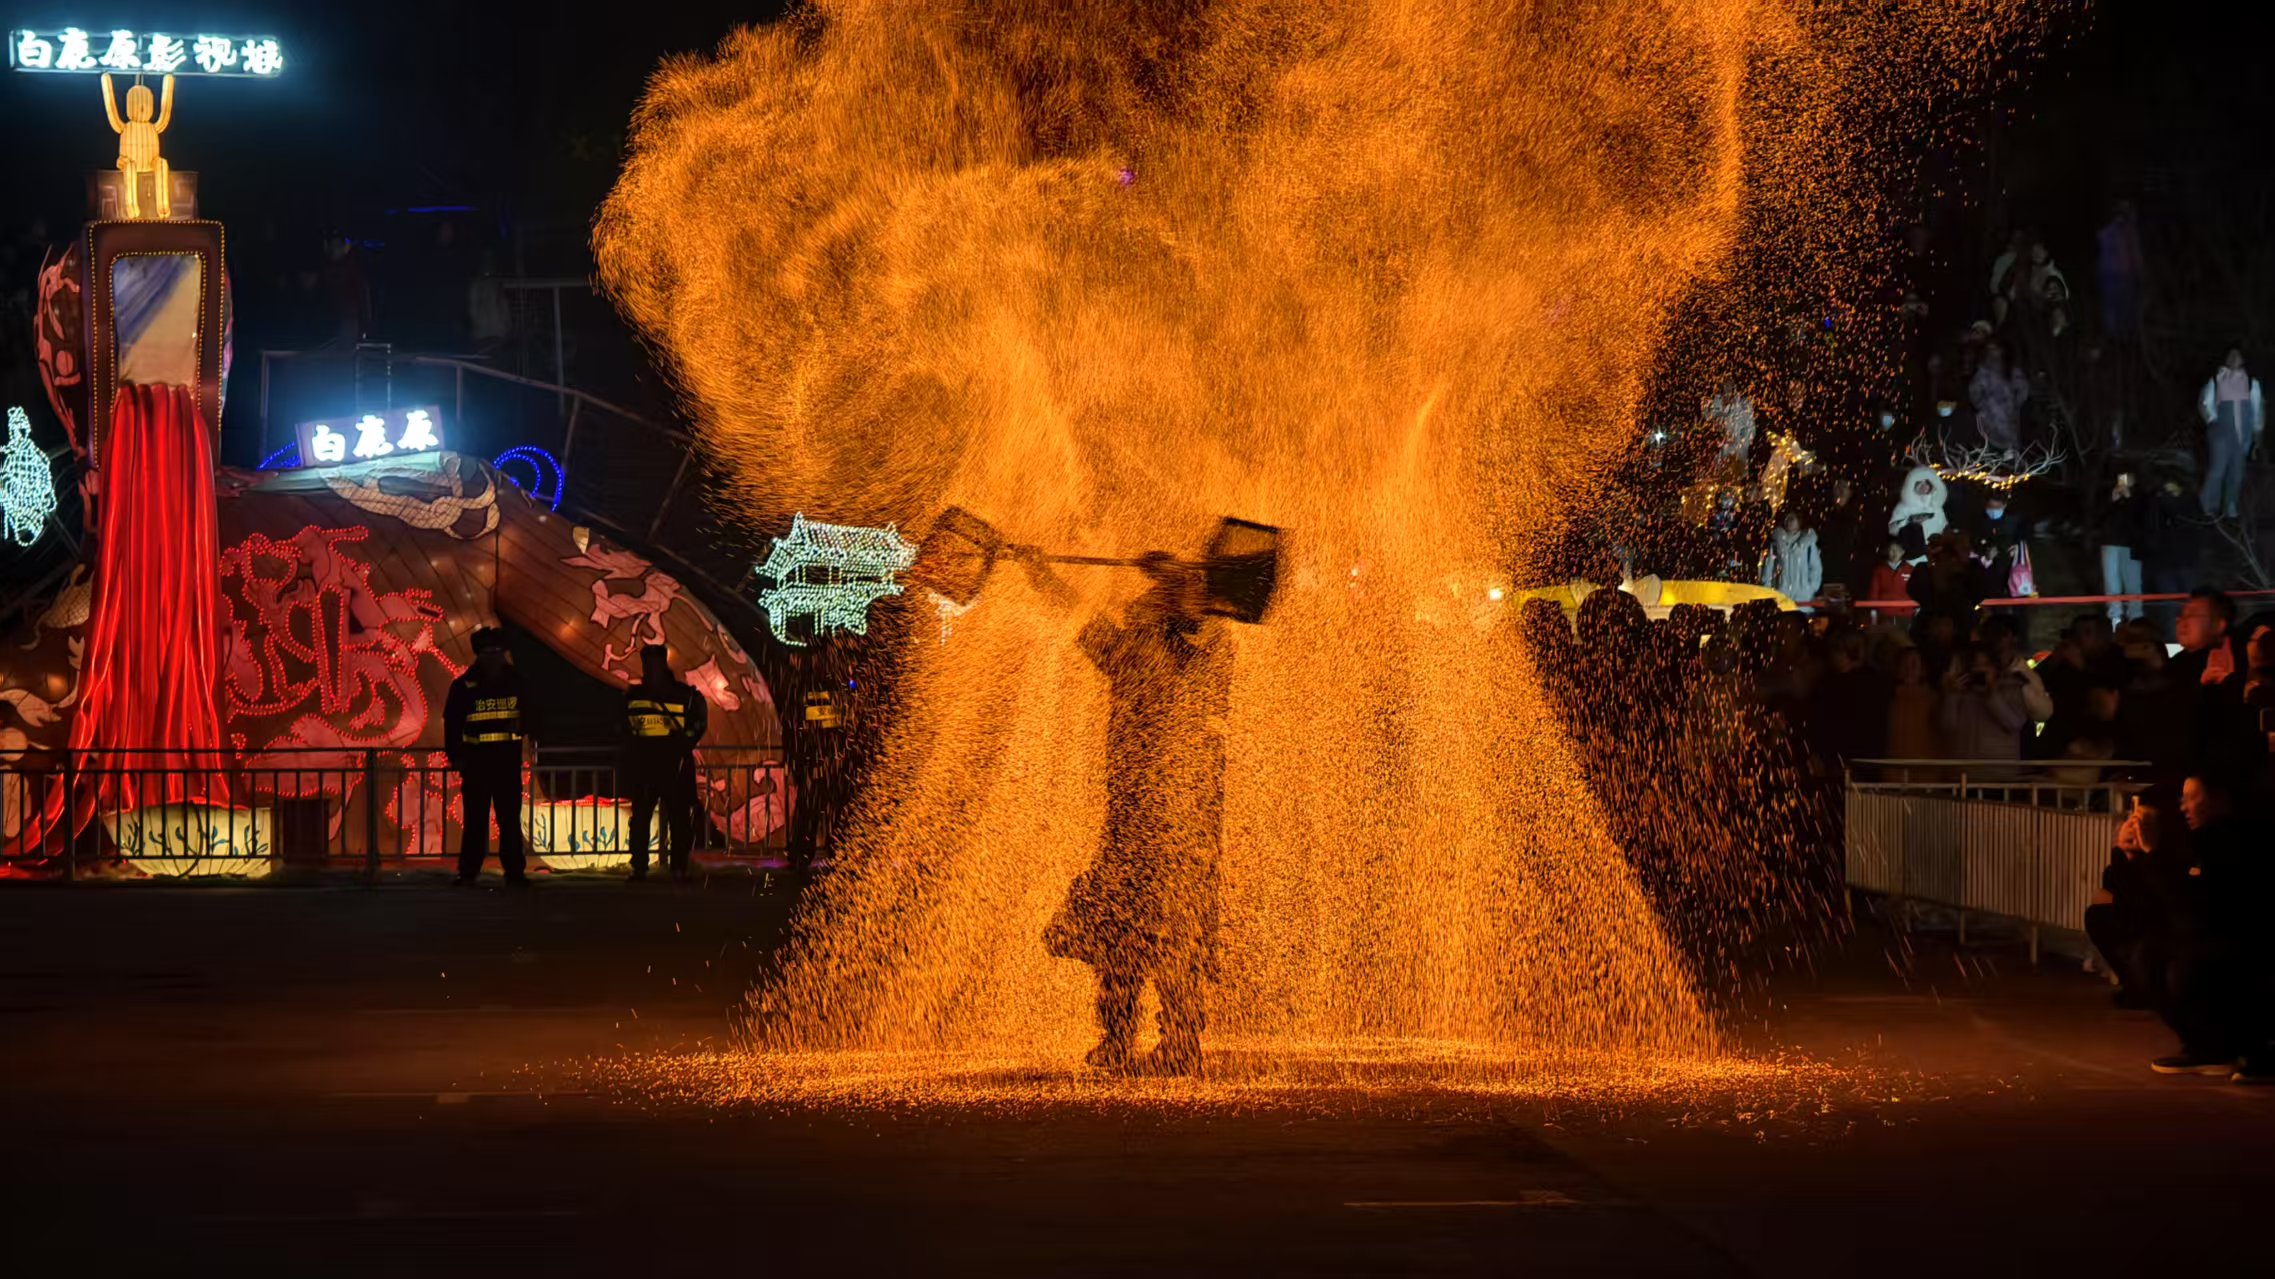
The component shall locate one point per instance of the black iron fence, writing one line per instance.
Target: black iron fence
(204, 813)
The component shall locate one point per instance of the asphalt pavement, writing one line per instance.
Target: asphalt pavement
(340, 1080)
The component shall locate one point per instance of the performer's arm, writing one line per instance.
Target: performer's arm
(166, 104)
(110, 105)
(1097, 640)
(1042, 576)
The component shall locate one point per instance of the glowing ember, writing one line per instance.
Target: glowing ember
(1403, 1079)
(1394, 280)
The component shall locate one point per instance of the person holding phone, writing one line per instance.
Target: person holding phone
(1982, 713)
(2120, 537)
(2215, 963)
(2124, 920)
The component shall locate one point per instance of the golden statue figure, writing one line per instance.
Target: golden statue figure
(138, 144)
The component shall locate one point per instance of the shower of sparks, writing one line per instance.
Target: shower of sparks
(830, 574)
(949, 610)
(1403, 1080)
(895, 254)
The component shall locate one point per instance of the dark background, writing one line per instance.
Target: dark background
(507, 120)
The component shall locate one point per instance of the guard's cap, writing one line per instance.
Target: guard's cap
(489, 639)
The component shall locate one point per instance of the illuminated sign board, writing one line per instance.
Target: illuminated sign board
(76, 49)
(368, 437)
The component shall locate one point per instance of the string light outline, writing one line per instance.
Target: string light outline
(540, 462)
(27, 483)
(858, 565)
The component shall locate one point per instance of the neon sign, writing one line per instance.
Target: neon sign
(75, 49)
(27, 483)
(831, 573)
(368, 437)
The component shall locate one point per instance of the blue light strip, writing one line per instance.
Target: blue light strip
(283, 459)
(540, 463)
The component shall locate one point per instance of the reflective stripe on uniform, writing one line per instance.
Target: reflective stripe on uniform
(480, 738)
(651, 718)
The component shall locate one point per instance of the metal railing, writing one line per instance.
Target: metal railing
(2014, 839)
(167, 814)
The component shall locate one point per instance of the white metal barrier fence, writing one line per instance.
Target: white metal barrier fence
(1981, 836)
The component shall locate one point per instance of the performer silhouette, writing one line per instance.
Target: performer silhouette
(1146, 909)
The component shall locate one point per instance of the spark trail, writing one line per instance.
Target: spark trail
(1392, 276)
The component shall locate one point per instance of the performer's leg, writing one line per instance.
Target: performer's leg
(161, 178)
(1118, 992)
(1183, 992)
(133, 204)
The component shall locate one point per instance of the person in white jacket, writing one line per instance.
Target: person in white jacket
(2233, 420)
(1793, 568)
(1919, 512)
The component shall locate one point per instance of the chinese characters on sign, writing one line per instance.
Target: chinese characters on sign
(368, 437)
(76, 49)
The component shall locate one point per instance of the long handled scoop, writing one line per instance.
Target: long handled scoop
(1240, 573)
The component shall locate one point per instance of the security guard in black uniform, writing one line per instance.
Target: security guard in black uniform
(482, 734)
(819, 754)
(663, 721)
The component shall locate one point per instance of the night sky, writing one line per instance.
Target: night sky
(518, 110)
(514, 107)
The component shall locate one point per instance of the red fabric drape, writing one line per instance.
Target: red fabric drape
(149, 677)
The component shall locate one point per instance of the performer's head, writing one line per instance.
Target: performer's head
(655, 663)
(138, 104)
(1177, 593)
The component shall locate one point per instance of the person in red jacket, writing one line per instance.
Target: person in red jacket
(1891, 580)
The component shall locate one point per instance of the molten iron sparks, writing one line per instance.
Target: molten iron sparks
(1400, 1081)
(1389, 276)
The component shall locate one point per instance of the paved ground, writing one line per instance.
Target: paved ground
(335, 1081)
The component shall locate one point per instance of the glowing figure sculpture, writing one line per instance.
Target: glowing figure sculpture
(831, 573)
(138, 143)
(27, 483)
(371, 437)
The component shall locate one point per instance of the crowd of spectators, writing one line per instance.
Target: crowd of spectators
(1776, 709)
(1949, 680)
